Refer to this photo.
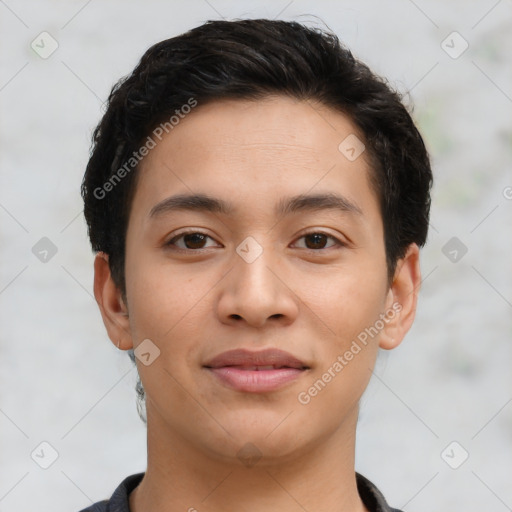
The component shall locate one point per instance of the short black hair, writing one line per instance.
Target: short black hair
(252, 59)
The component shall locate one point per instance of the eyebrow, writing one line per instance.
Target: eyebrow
(285, 206)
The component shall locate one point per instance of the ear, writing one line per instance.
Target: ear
(113, 309)
(402, 299)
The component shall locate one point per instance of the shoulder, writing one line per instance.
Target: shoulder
(372, 498)
(100, 506)
(118, 502)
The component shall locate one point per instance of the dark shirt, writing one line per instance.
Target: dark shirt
(371, 496)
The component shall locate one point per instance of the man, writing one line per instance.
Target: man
(257, 198)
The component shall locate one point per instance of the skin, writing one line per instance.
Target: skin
(310, 300)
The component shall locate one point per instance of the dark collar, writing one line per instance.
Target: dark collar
(372, 498)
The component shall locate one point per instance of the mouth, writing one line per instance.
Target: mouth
(256, 372)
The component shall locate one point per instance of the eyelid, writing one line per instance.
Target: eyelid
(318, 231)
(338, 243)
(180, 234)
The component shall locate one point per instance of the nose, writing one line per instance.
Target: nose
(257, 293)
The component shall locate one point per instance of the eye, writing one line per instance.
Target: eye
(190, 240)
(317, 241)
(195, 240)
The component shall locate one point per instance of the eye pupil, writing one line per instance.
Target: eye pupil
(319, 240)
(195, 239)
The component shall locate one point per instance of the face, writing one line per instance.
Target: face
(287, 253)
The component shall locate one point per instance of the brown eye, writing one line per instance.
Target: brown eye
(191, 240)
(194, 240)
(318, 241)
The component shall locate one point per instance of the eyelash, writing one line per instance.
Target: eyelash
(172, 241)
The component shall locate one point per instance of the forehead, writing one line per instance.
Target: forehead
(274, 126)
(249, 151)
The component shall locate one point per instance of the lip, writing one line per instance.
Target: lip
(248, 371)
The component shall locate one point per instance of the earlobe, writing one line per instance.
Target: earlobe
(112, 307)
(402, 299)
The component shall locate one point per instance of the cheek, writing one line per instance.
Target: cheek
(168, 308)
(347, 308)
(153, 306)
(345, 301)
(171, 306)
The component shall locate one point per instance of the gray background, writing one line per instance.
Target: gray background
(63, 382)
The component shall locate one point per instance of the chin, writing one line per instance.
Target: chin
(257, 449)
(269, 441)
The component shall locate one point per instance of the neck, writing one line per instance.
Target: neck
(182, 476)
